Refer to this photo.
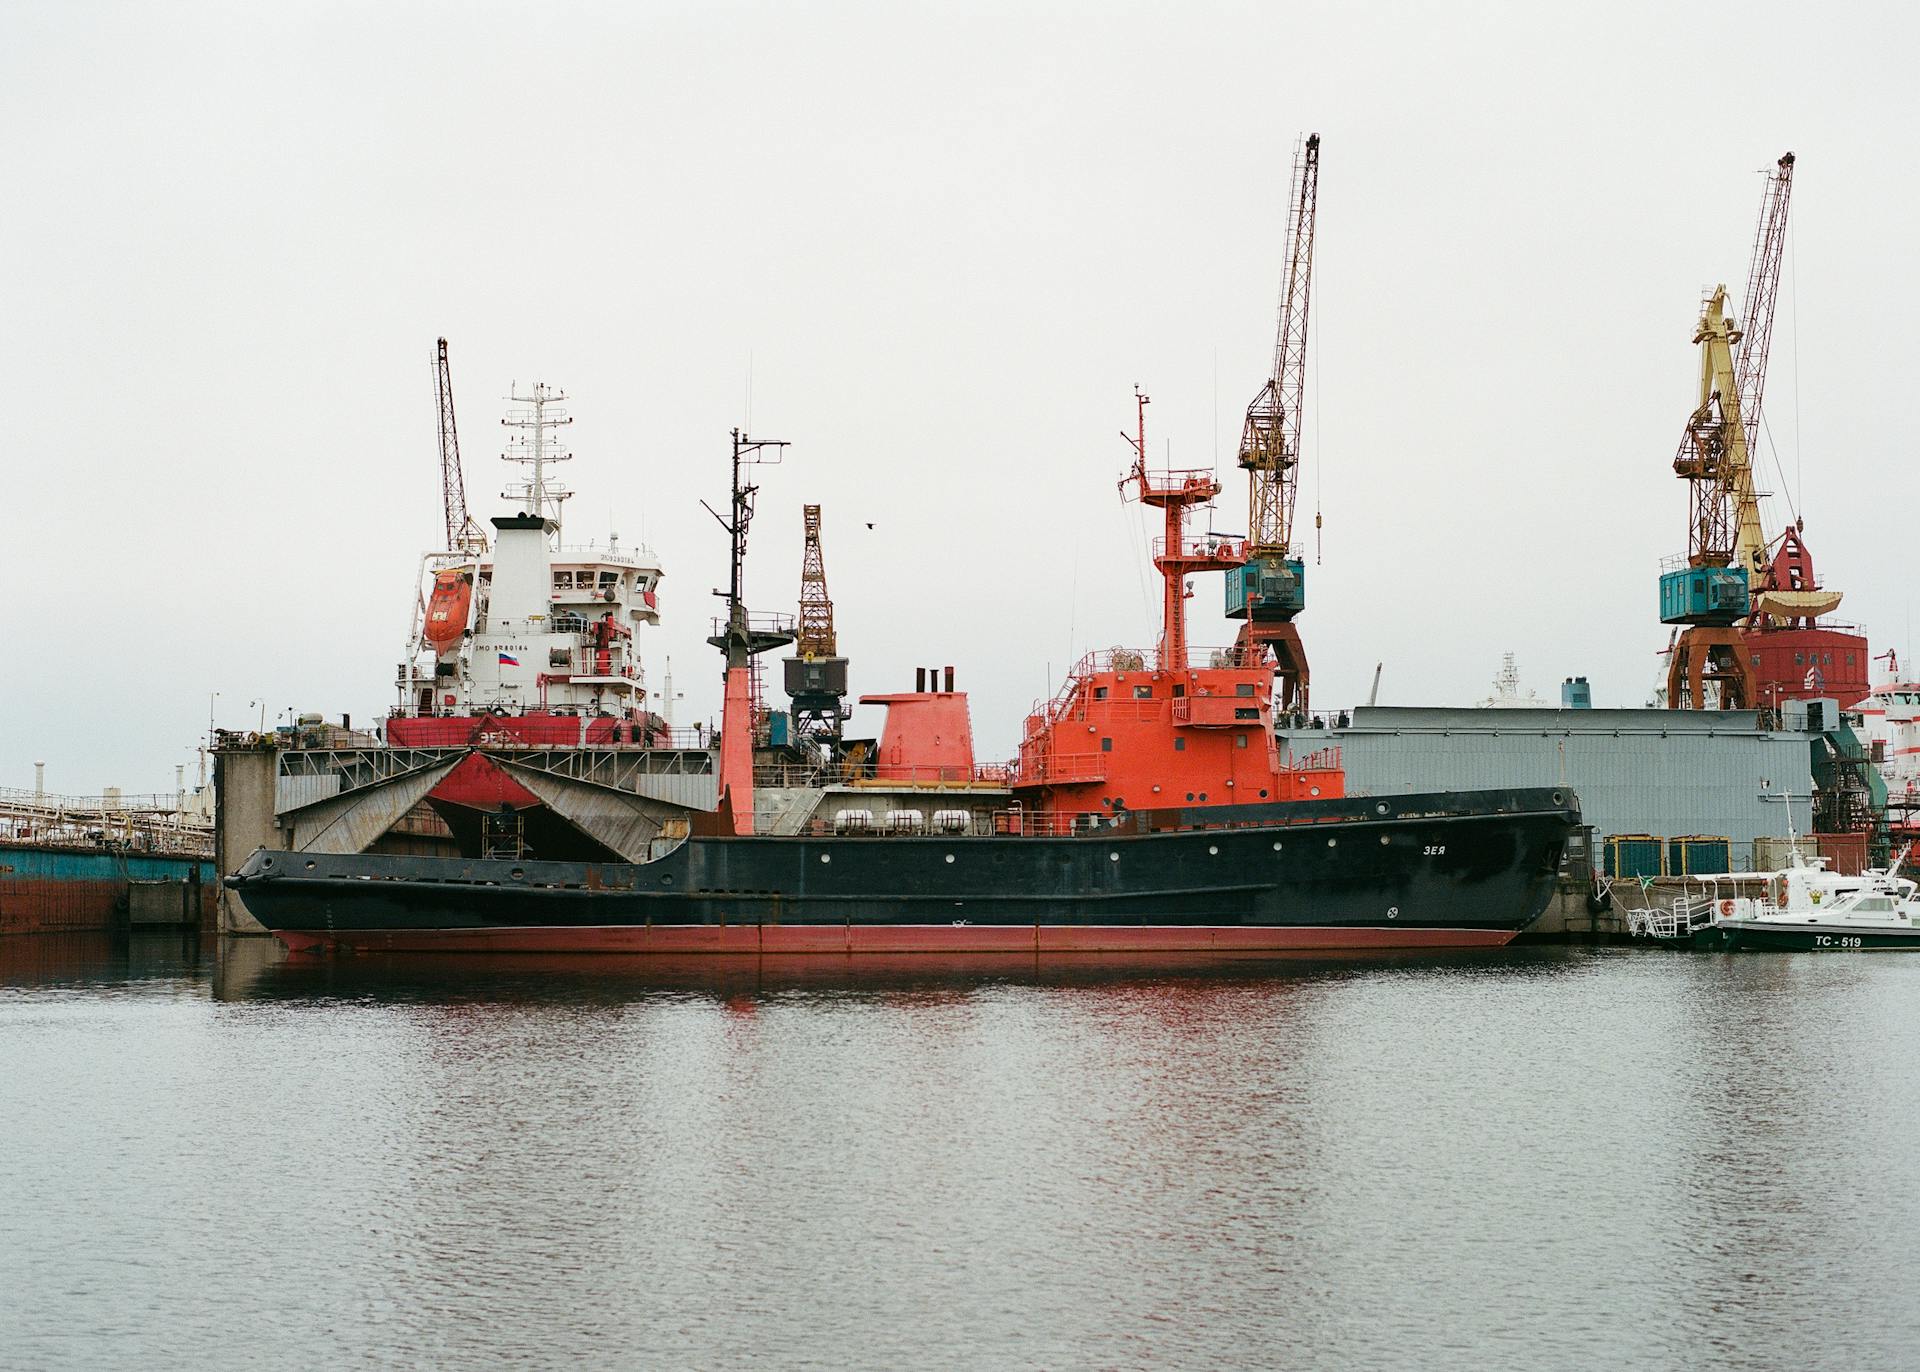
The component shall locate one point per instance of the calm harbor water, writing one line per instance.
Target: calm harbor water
(1541, 1157)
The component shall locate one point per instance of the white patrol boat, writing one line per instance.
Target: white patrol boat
(1806, 908)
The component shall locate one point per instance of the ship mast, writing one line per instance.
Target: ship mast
(533, 447)
(741, 637)
(1174, 492)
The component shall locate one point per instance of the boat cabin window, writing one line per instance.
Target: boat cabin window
(1179, 744)
(1239, 740)
(1244, 688)
(1143, 693)
(1179, 690)
(1876, 904)
(608, 578)
(1099, 693)
(1106, 745)
(563, 581)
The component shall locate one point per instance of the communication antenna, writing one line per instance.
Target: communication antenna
(534, 448)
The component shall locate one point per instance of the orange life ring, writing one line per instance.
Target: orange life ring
(1726, 908)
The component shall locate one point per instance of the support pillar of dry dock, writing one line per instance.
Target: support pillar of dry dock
(244, 819)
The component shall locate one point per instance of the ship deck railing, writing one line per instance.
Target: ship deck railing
(1135, 660)
(1687, 916)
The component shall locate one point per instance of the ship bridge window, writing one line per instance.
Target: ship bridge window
(1876, 904)
(608, 578)
(563, 581)
(1244, 688)
(1143, 693)
(1245, 712)
(1099, 693)
(1179, 690)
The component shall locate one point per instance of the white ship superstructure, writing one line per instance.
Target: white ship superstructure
(532, 624)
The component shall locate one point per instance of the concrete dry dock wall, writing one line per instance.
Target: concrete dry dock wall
(244, 820)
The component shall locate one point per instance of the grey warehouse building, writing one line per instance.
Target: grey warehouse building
(1669, 773)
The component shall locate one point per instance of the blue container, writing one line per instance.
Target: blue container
(1276, 588)
(1698, 854)
(1703, 595)
(1632, 855)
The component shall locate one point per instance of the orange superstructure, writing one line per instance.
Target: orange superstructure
(1178, 727)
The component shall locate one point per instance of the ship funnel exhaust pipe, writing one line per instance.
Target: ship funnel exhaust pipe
(949, 681)
(919, 680)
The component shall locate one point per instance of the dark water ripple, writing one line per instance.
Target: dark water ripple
(1545, 1158)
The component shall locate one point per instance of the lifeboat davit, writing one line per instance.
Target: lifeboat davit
(447, 609)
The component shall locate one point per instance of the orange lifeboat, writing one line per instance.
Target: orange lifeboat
(447, 609)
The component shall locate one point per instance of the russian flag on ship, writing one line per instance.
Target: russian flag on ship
(509, 660)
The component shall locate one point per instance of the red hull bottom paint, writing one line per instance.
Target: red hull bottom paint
(840, 939)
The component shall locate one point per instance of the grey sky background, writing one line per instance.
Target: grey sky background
(944, 242)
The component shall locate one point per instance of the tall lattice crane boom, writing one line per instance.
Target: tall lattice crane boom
(1270, 589)
(816, 638)
(1270, 438)
(1763, 288)
(463, 531)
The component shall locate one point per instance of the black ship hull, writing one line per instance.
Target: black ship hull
(1444, 870)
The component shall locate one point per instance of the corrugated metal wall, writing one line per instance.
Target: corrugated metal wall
(1660, 772)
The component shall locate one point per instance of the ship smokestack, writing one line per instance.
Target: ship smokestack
(949, 680)
(39, 780)
(919, 680)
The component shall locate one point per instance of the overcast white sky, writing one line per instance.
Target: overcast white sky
(945, 241)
